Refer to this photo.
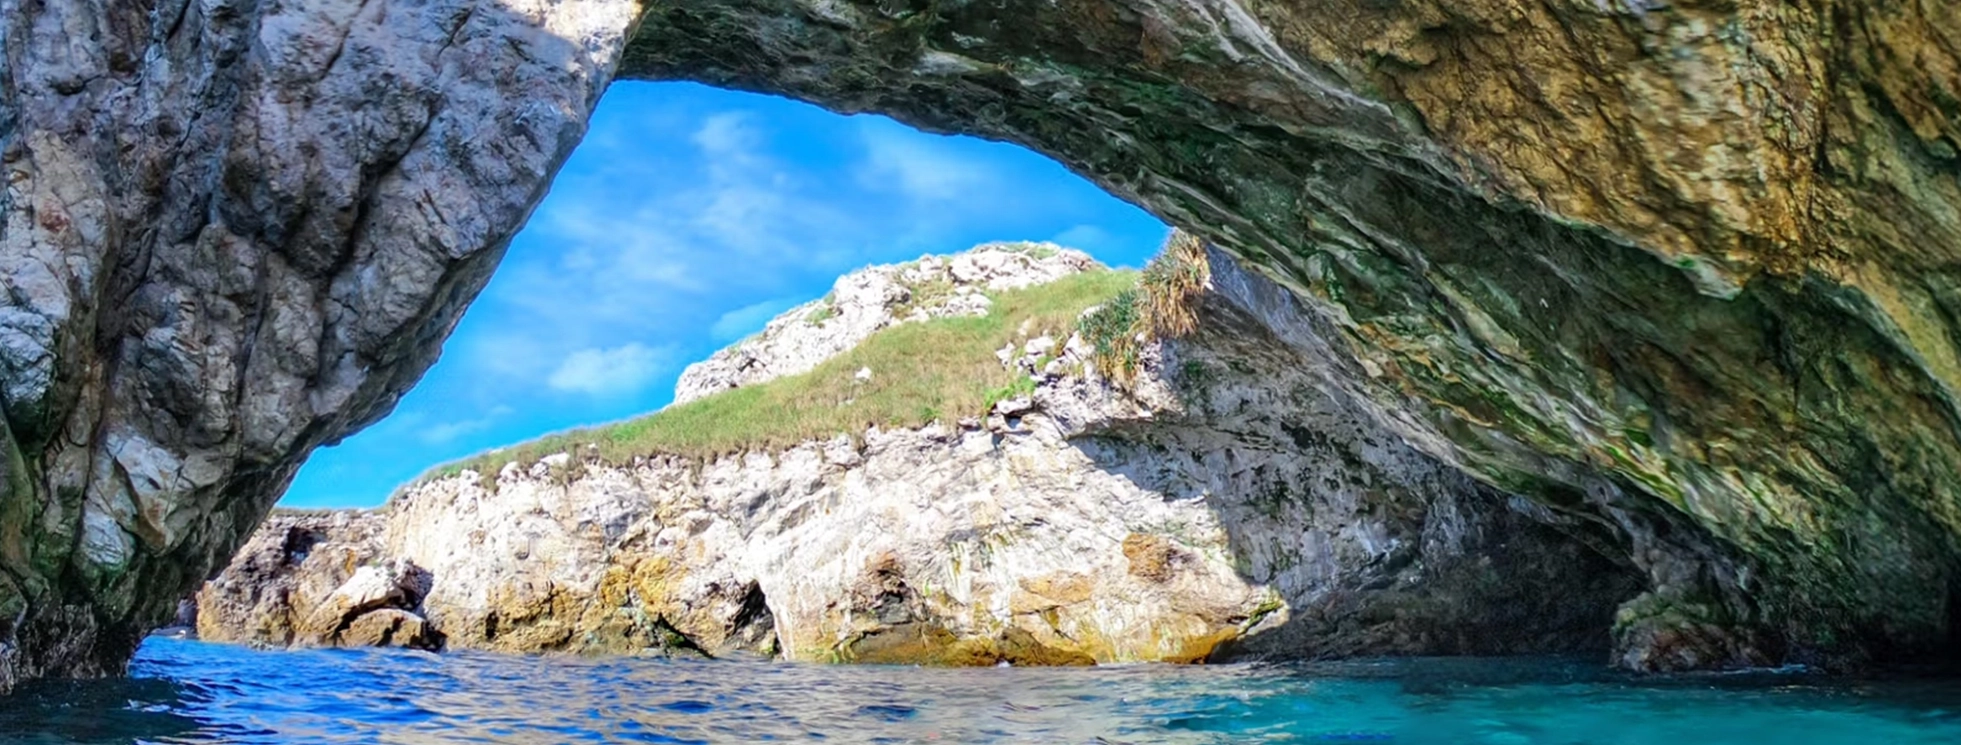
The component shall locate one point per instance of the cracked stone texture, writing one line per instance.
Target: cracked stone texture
(233, 231)
(1682, 272)
(285, 573)
(317, 578)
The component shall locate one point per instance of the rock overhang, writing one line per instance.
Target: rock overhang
(1673, 272)
(1683, 273)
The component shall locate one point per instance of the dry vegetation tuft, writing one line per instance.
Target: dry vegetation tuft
(1172, 285)
(1164, 305)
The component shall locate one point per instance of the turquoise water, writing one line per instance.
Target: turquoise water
(189, 692)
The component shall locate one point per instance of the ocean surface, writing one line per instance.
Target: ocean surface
(189, 692)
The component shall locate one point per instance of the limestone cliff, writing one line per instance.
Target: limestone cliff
(1682, 272)
(1214, 504)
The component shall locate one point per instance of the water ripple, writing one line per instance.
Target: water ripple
(187, 693)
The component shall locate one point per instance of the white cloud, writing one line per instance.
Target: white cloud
(682, 202)
(726, 135)
(718, 217)
(600, 372)
(647, 245)
(1084, 237)
(923, 166)
(748, 319)
(445, 432)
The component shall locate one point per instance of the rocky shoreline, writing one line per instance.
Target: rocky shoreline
(1214, 506)
(316, 578)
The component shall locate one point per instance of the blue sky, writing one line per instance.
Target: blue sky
(687, 219)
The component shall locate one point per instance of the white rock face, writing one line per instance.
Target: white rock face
(1220, 505)
(968, 531)
(874, 298)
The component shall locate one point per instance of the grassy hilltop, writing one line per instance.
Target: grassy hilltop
(922, 371)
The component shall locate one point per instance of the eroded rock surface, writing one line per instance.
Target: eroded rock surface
(231, 232)
(317, 578)
(1218, 505)
(1681, 271)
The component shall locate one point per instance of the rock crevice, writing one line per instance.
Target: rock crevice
(1677, 274)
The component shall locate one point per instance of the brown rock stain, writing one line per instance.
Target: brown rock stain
(1152, 557)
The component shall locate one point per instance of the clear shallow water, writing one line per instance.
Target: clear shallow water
(189, 692)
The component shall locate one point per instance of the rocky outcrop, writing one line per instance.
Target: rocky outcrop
(1218, 504)
(865, 301)
(369, 610)
(317, 578)
(1682, 272)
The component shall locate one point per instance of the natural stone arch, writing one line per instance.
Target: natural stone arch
(1683, 273)
(1677, 273)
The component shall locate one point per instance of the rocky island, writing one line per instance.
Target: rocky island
(1672, 281)
(1177, 499)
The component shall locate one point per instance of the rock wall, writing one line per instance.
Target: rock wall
(1681, 271)
(230, 232)
(1218, 506)
(318, 578)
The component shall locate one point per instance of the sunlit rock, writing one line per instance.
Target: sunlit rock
(1214, 505)
(863, 302)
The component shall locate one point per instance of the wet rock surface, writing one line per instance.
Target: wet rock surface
(1679, 275)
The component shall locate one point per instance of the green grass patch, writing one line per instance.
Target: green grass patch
(824, 312)
(921, 372)
(1112, 332)
(1163, 305)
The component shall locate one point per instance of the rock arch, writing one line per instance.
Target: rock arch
(1683, 275)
